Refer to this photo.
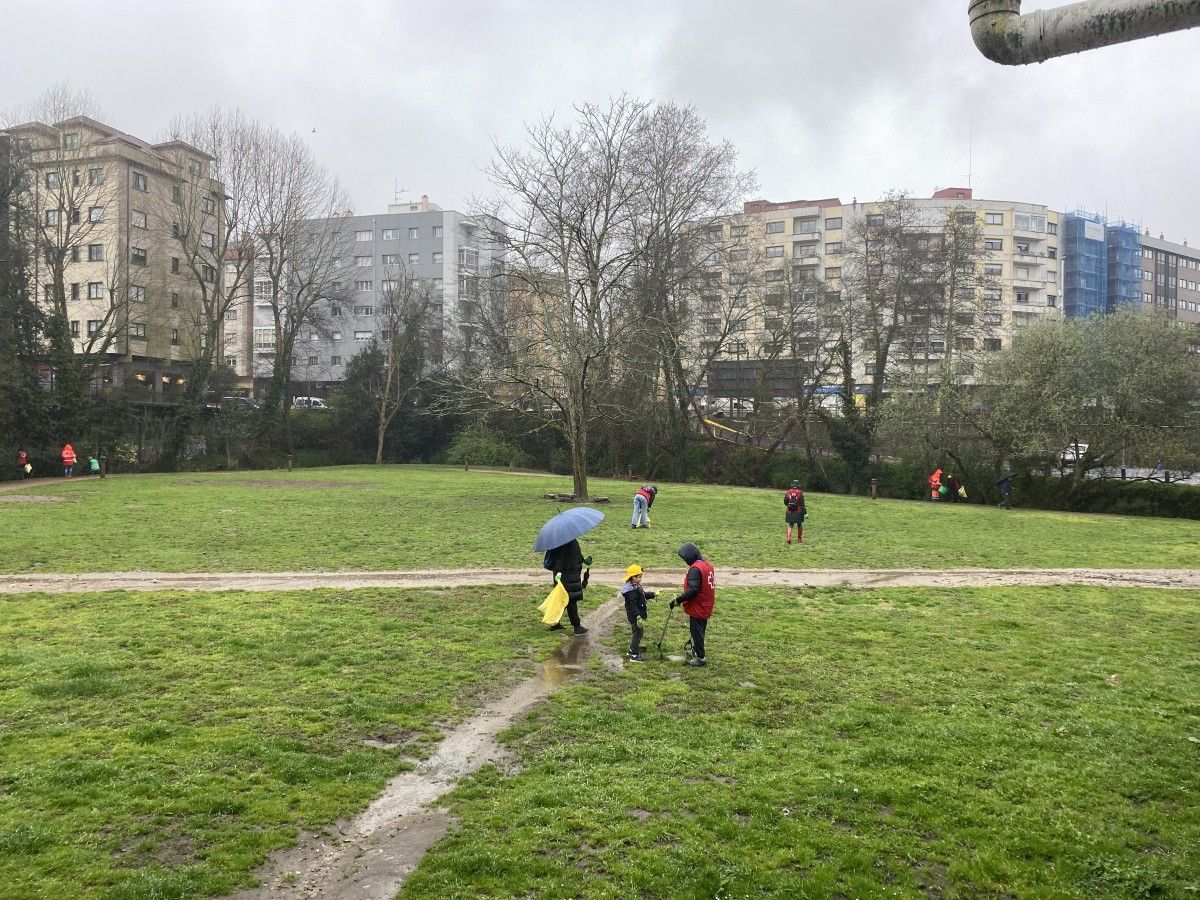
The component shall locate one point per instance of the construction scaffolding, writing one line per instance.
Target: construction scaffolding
(1124, 266)
(1085, 265)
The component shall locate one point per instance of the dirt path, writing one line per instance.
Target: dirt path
(369, 857)
(728, 577)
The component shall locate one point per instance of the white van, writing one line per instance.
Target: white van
(309, 403)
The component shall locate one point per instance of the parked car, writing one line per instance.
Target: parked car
(309, 403)
(1075, 451)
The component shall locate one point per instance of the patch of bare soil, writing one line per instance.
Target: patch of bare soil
(433, 578)
(370, 856)
(305, 485)
(30, 498)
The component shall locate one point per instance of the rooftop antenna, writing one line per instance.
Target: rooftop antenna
(397, 190)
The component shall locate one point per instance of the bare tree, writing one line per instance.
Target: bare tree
(291, 209)
(403, 319)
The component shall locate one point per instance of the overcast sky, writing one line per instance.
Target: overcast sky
(844, 98)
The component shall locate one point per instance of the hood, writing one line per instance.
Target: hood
(628, 587)
(689, 553)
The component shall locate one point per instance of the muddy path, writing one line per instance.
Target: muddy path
(369, 857)
(728, 577)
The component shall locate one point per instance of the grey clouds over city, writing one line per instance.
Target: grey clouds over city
(822, 97)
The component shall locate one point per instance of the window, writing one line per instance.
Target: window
(1021, 246)
(993, 269)
(737, 230)
(390, 284)
(991, 343)
(833, 271)
(1022, 296)
(137, 293)
(437, 231)
(231, 315)
(74, 328)
(337, 335)
(874, 221)
(75, 290)
(362, 262)
(95, 291)
(95, 252)
(175, 265)
(75, 217)
(834, 248)
(993, 218)
(774, 252)
(965, 217)
(437, 257)
(805, 224)
(774, 228)
(48, 292)
(391, 234)
(137, 330)
(414, 233)
(390, 259)
(53, 217)
(833, 224)
(965, 343)
(1052, 252)
(361, 336)
(95, 177)
(739, 255)
(1051, 300)
(208, 239)
(208, 205)
(71, 141)
(208, 273)
(335, 360)
(93, 327)
(231, 361)
(364, 286)
(314, 360)
(174, 300)
(96, 213)
(992, 319)
(138, 256)
(414, 258)
(364, 310)
(138, 181)
(993, 244)
(1026, 222)
(137, 218)
(175, 336)
(364, 235)
(994, 295)
(53, 180)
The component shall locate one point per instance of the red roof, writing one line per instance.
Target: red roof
(953, 193)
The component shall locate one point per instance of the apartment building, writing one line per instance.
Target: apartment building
(1019, 281)
(448, 250)
(1170, 278)
(108, 211)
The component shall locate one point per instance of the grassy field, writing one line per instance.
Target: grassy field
(157, 745)
(913, 743)
(421, 516)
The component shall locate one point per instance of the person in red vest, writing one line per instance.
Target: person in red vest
(699, 593)
(68, 458)
(793, 502)
(643, 499)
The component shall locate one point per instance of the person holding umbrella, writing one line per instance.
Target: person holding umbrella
(564, 557)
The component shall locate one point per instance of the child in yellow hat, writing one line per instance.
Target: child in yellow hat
(635, 609)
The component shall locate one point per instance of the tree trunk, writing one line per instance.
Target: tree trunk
(578, 441)
(379, 436)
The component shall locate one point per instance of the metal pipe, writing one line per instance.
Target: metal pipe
(1005, 36)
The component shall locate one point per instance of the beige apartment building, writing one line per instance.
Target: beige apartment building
(1018, 282)
(125, 230)
(1170, 279)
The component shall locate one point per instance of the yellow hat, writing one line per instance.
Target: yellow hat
(635, 569)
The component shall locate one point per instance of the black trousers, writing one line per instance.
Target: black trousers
(573, 609)
(635, 641)
(697, 627)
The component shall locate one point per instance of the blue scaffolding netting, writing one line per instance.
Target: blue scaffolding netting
(1101, 265)
(1124, 266)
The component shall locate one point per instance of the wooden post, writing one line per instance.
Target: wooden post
(874, 488)
(289, 462)
(103, 466)
(466, 464)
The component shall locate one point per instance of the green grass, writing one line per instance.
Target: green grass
(160, 745)
(423, 516)
(913, 743)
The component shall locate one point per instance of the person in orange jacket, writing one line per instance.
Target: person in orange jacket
(68, 459)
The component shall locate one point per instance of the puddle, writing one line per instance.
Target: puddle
(370, 856)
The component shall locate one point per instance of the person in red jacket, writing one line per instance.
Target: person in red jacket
(793, 502)
(643, 499)
(699, 593)
(22, 462)
(68, 459)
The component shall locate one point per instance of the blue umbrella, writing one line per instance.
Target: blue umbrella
(567, 526)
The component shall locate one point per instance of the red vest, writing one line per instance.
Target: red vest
(701, 606)
(645, 493)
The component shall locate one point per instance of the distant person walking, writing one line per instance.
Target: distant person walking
(643, 499)
(793, 502)
(567, 563)
(93, 465)
(1006, 490)
(23, 466)
(953, 488)
(699, 594)
(935, 484)
(68, 460)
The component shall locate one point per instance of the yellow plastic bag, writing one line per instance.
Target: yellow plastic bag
(554, 604)
(962, 492)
